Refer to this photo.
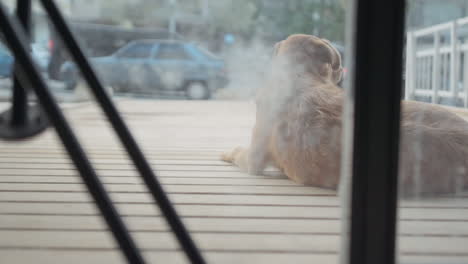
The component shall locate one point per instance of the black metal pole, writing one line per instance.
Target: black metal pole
(20, 94)
(379, 28)
(29, 75)
(123, 133)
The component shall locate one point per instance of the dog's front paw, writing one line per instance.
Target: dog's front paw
(230, 156)
(227, 156)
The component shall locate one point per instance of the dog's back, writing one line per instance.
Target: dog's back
(305, 142)
(433, 150)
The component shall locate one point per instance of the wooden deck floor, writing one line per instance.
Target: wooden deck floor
(46, 215)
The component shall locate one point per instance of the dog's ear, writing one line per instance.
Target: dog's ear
(337, 69)
(326, 71)
(319, 59)
(276, 48)
(329, 73)
(337, 75)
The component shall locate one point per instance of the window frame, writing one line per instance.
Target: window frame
(189, 55)
(371, 139)
(118, 54)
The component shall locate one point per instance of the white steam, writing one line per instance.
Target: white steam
(247, 66)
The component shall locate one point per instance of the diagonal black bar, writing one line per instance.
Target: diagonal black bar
(29, 76)
(20, 100)
(123, 133)
(22, 120)
(377, 93)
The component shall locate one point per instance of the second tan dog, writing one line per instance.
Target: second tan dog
(299, 123)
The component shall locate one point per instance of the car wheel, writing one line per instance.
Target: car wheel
(70, 85)
(197, 91)
(119, 88)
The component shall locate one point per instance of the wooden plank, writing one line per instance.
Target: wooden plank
(432, 259)
(45, 148)
(109, 158)
(207, 181)
(259, 190)
(38, 256)
(44, 256)
(180, 173)
(128, 167)
(213, 199)
(112, 256)
(171, 157)
(39, 166)
(233, 211)
(171, 145)
(184, 210)
(292, 190)
(248, 180)
(224, 199)
(165, 241)
(50, 160)
(235, 242)
(221, 225)
(55, 147)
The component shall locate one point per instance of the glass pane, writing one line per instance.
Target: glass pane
(433, 168)
(245, 87)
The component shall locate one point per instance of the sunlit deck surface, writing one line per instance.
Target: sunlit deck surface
(47, 216)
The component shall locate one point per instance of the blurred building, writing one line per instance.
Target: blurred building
(423, 13)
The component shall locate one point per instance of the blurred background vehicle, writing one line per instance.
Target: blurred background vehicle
(101, 40)
(38, 50)
(41, 52)
(157, 66)
(6, 62)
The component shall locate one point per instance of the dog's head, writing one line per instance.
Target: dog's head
(298, 62)
(308, 56)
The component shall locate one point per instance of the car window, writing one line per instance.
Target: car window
(172, 52)
(206, 53)
(3, 50)
(136, 50)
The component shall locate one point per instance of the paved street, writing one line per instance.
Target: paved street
(56, 87)
(63, 95)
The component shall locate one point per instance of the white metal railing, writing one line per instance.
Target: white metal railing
(431, 55)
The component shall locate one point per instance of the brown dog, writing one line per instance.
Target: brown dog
(299, 122)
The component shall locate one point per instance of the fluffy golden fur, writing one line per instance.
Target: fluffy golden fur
(299, 123)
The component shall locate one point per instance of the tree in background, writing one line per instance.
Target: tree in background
(135, 13)
(270, 20)
(233, 16)
(320, 17)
